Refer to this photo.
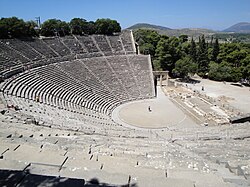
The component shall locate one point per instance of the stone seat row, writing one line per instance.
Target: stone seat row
(29, 50)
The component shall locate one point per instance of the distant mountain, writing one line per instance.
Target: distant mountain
(192, 32)
(148, 26)
(237, 33)
(243, 27)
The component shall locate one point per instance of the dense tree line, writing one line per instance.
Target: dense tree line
(217, 61)
(14, 27)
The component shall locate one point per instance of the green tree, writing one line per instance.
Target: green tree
(31, 25)
(236, 74)
(53, 27)
(107, 26)
(147, 48)
(215, 50)
(64, 28)
(163, 57)
(176, 48)
(78, 26)
(167, 52)
(184, 67)
(147, 40)
(183, 38)
(246, 67)
(185, 48)
(236, 57)
(14, 28)
(226, 49)
(193, 51)
(90, 28)
(220, 72)
(246, 72)
(49, 27)
(202, 56)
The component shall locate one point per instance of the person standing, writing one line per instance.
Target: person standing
(149, 109)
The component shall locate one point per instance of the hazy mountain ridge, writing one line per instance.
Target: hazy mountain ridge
(173, 32)
(243, 27)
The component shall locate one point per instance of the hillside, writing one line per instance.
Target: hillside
(243, 27)
(148, 26)
(236, 33)
(192, 32)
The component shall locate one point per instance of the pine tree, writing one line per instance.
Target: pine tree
(193, 51)
(211, 41)
(202, 56)
(215, 51)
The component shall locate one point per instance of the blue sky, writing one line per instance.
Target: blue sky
(212, 14)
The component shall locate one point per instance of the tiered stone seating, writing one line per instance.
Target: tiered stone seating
(14, 57)
(34, 52)
(55, 87)
(22, 47)
(127, 42)
(3, 59)
(142, 67)
(101, 68)
(76, 118)
(57, 46)
(80, 72)
(40, 47)
(74, 45)
(88, 42)
(5, 63)
(103, 44)
(99, 83)
(170, 156)
(116, 44)
(81, 77)
(62, 87)
(125, 73)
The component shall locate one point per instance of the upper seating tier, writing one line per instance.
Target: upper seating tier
(29, 51)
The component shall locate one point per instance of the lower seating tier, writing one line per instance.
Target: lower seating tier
(97, 84)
